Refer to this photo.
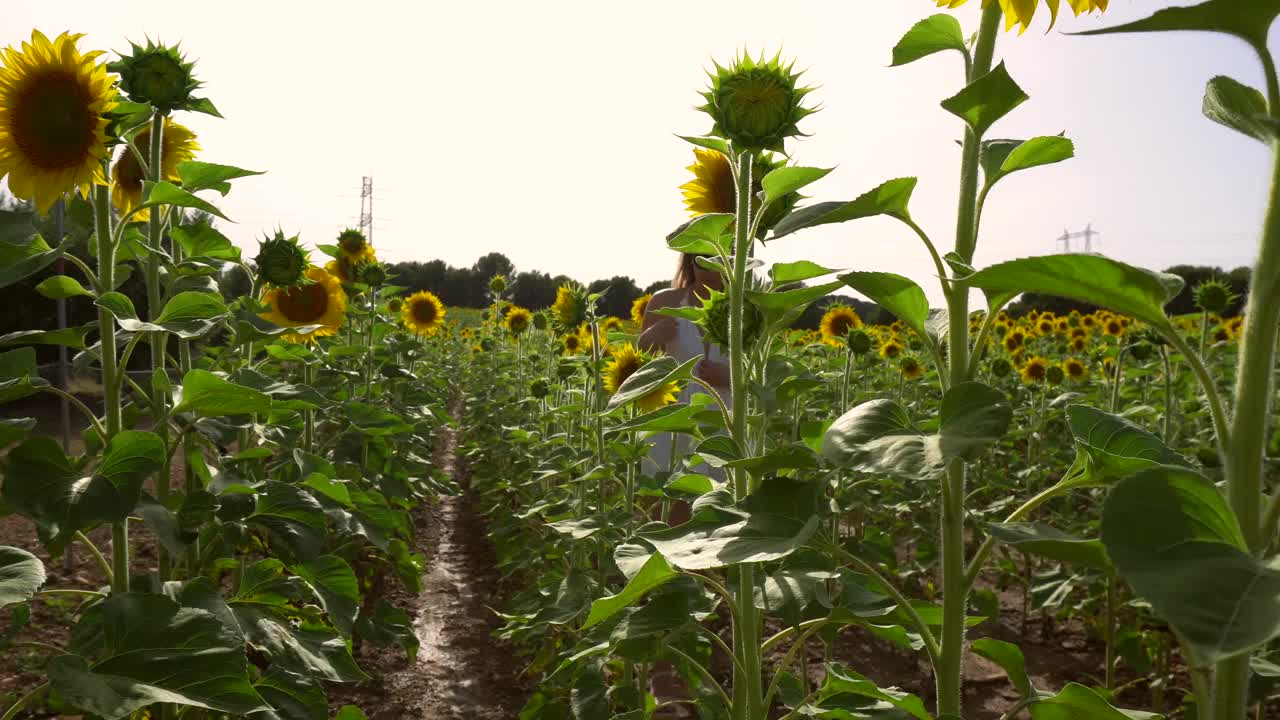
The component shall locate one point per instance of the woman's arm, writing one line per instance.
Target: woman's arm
(657, 331)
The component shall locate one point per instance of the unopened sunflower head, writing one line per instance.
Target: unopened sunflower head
(353, 245)
(570, 307)
(1001, 367)
(540, 320)
(54, 105)
(715, 320)
(1213, 296)
(159, 76)
(858, 341)
(498, 285)
(1021, 12)
(756, 104)
(373, 274)
(281, 261)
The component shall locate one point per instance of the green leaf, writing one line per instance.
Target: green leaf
(1003, 157)
(18, 262)
(188, 314)
(1102, 281)
(1248, 21)
(769, 524)
(197, 176)
(72, 337)
(293, 696)
(671, 418)
(203, 240)
(166, 193)
(208, 395)
(17, 227)
(1239, 107)
(18, 363)
(840, 683)
(690, 484)
(655, 573)
(783, 273)
(155, 651)
(335, 584)
(1109, 447)
(710, 143)
(985, 100)
(703, 235)
(649, 378)
(14, 429)
(895, 293)
(61, 286)
(1040, 539)
(785, 180)
(780, 303)
(21, 575)
(1175, 540)
(890, 198)
(1009, 657)
(1077, 702)
(350, 712)
(933, 34)
(388, 625)
(878, 436)
(294, 518)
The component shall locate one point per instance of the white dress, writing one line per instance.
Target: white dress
(686, 345)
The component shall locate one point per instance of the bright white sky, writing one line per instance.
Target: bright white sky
(546, 130)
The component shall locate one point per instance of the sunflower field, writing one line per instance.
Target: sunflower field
(970, 512)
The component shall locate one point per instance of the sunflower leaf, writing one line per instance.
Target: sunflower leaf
(165, 193)
(21, 260)
(889, 198)
(786, 180)
(703, 235)
(1239, 107)
(931, 35)
(1000, 158)
(985, 100)
(895, 293)
(649, 378)
(197, 176)
(1248, 21)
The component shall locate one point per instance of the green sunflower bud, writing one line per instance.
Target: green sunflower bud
(487, 344)
(281, 261)
(859, 342)
(538, 388)
(1142, 351)
(395, 306)
(159, 76)
(497, 284)
(1213, 296)
(1001, 367)
(566, 369)
(373, 274)
(715, 320)
(1055, 374)
(539, 321)
(756, 104)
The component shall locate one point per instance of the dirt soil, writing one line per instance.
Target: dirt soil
(461, 672)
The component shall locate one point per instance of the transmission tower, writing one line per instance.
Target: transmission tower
(1088, 234)
(366, 207)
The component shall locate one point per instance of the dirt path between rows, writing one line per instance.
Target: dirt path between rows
(462, 671)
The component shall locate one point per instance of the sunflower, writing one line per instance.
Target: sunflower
(570, 306)
(423, 313)
(1113, 327)
(53, 118)
(890, 349)
(354, 246)
(910, 368)
(1013, 341)
(572, 343)
(626, 361)
(1034, 370)
(319, 302)
(1078, 344)
(1075, 369)
(1088, 322)
(342, 268)
(610, 324)
(711, 189)
(178, 145)
(518, 320)
(639, 306)
(837, 322)
(1020, 12)
(1045, 326)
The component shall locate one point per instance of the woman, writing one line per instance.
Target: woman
(683, 340)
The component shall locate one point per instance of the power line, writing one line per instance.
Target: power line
(366, 207)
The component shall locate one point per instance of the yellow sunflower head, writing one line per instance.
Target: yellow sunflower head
(177, 145)
(1079, 344)
(639, 306)
(610, 324)
(890, 349)
(625, 361)
(319, 302)
(54, 102)
(518, 320)
(1034, 370)
(910, 368)
(1021, 12)
(1075, 369)
(423, 313)
(712, 189)
(343, 268)
(1114, 327)
(837, 322)
(354, 246)
(572, 343)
